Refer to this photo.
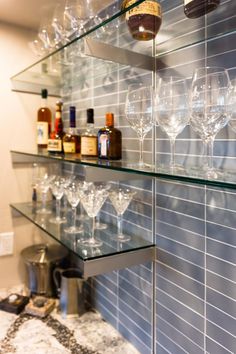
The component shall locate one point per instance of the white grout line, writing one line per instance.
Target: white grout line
(178, 213)
(220, 345)
(221, 276)
(222, 329)
(173, 342)
(218, 309)
(179, 243)
(181, 258)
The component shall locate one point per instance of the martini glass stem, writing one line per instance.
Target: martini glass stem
(120, 225)
(92, 238)
(172, 153)
(44, 198)
(141, 151)
(210, 146)
(58, 208)
(74, 217)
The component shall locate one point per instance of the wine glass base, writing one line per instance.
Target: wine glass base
(100, 226)
(121, 238)
(92, 242)
(44, 211)
(207, 173)
(140, 166)
(74, 230)
(57, 221)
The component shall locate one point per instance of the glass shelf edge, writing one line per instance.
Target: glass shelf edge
(137, 172)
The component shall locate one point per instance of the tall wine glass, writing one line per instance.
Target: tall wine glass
(72, 193)
(139, 113)
(172, 106)
(121, 199)
(92, 200)
(211, 108)
(57, 188)
(232, 122)
(78, 12)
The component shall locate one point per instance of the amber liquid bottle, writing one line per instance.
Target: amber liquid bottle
(89, 137)
(56, 137)
(71, 140)
(44, 121)
(198, 8)
(109, 140)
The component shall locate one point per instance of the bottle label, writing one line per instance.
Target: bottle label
(89, 145)
(186, 2)
(103, 145)
(55, 145)
(69, 148)
(147, 7)
(42, 133)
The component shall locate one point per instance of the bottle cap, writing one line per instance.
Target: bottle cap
(90, 115)
(44, 93)
(72, 116)
(109, 119)
(59, 105)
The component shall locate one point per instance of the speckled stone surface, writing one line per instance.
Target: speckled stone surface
(88, 334)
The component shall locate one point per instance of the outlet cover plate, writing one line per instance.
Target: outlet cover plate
(6, 243)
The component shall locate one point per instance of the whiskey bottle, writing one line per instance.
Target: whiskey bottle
(44, 121)
(71, 140)
(109, 140)
(143, 20)
(55, 141)
(198, 8)
(89, 137)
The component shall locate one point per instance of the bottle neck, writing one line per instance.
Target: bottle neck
(58, 123)
(110, 121)
(44, 102)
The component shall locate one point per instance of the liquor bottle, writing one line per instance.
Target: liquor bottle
(143, 20)
(109, 140)
(44, 121)
(55, 141)
(198, 8)
(71, 140)
(89, 137)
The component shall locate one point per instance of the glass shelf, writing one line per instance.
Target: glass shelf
(109, 35)
(110, 256)
(226, 179)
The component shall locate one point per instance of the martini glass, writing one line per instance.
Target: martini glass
(72, 193)
(57, 188)
(98, 224)
(121, 199)
(93, 200)
(43, 184)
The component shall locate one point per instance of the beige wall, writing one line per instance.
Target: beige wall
(18, 120)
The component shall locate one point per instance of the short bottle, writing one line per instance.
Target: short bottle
(143, 20)
(44, 121)
(71, 140)
(89, 137)
(110, 140)
(198, 8)
(56, 137)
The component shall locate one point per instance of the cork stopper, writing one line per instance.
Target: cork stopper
(109, 119)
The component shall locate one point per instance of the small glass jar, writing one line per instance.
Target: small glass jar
(144, 20)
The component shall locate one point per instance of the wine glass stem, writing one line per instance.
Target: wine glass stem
(58, 208)
(120, 225)
(92, 230)
(74, 217)
(172, 152)
(44, 198)
(141, 151)
(210, 146)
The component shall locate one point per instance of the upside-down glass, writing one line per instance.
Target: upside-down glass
(57, 188)
(72, 193)
(121, 199)
(172, 107)
(211, 108)
(139, 108)
(92, 200)
(232, 122)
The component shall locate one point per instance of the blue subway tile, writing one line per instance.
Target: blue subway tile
(220, 284)
(220, 336)
(219, 250)
(221, 267)
(221, 319)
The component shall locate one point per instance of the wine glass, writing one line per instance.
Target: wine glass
(211, 108)
(78, 12)
(43, 184)
(139, 113)
(232, 122)
(92, 200)
(57, 188)
(72, 193)
(121, 199)
(172, 106)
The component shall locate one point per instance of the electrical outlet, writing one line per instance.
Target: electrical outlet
(6, 243)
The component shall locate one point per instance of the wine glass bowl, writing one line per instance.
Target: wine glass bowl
(172, 108)
(43, 184)
(139, 113)
(121, 199)
(211, 108)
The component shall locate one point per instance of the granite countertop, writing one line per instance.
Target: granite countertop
(88, 334)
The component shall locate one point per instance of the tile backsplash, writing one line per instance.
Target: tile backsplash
(186, 301)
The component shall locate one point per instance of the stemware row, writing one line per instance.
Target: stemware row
(206, 102)
(91, 196)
